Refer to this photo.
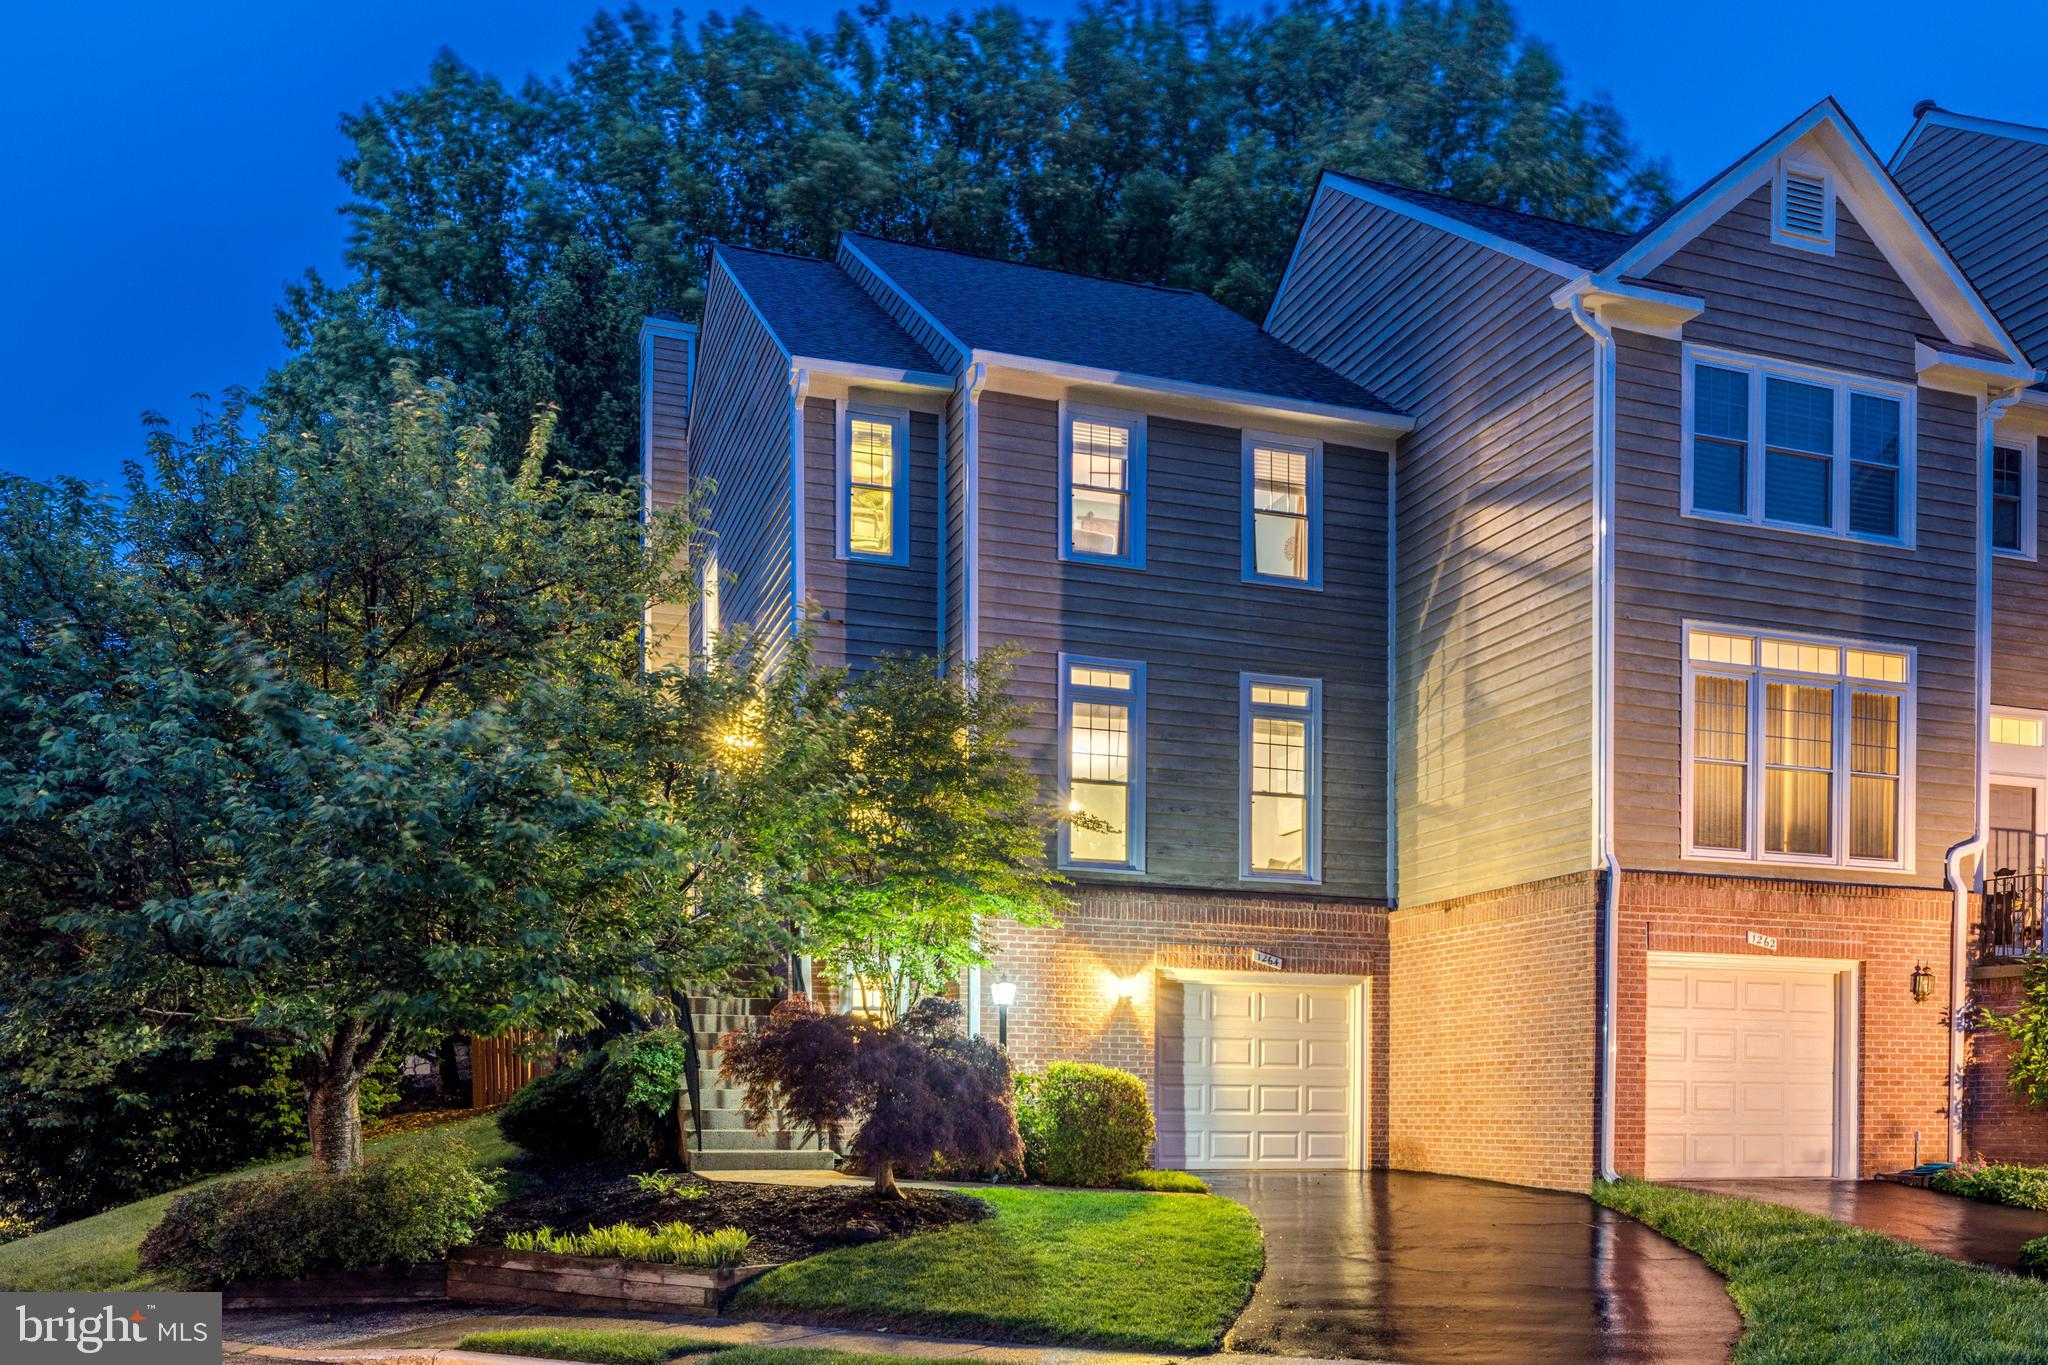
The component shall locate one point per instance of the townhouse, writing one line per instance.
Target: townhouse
(1533, 694)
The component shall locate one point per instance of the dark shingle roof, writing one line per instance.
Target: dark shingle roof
(1588, 247)
(816, 311)
(1139, 330)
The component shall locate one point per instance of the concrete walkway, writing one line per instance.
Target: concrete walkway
(416, 1336)
(1961, 1229)
(1391, 1265)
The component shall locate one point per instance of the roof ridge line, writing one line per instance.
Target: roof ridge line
(1024, 265)
(1474, 203)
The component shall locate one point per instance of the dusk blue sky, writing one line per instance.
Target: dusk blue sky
(172, 165)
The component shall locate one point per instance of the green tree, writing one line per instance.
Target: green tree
(512, 238)
(339, 737)
(2026, 1025)
(942, 830)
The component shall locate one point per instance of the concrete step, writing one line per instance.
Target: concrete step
(727, 1159)
(747, 1140)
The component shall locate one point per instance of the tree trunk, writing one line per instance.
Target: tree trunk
(885, 1181)
(451, 1068)
(335, 1121)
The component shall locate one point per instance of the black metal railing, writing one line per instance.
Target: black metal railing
(2012, 916)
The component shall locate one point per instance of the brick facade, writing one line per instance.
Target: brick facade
(1492, 1037)
(1903, 1052)
(1086, 988)
(1997, 1124)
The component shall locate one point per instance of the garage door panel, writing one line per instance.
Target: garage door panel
(1739, 1072)
(1265, 1077)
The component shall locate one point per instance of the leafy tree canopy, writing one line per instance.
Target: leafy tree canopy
(513, 238)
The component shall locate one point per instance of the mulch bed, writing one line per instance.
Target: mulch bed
(787, 1222)
(409, 1117)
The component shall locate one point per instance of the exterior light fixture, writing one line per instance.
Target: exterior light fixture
(1004, 993)
(1923, 982)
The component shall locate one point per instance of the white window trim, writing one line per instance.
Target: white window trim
(1312, 786)
(1133, 422)
(1824, 244)
(1843, 685)
(1249, 442)
(2030, 507)
(708, 586)
(899, 497)
(1135, 699)
(1760, 368)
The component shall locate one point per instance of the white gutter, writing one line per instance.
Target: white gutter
(1989, 410)
(799, 390)
(972, 381)
(1603, 711)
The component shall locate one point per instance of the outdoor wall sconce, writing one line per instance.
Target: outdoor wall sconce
(1004, 993)
(1923, 983)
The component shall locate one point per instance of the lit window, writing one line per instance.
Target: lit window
(873, 519)
(1104, 488)
(1784, 446)
(2012, 495)
(1799, 756)
(1282, 761)
(1283, 510)
(2024, 731)
(1102, 755)
(707, 602)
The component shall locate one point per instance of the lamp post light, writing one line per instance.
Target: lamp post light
(1003, 993)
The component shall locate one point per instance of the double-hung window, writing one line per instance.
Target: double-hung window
(2012, 498)
(707, 603)
(1102, 764)
(1283, 510)
(1102, 486)
(874, 502)
(1281, 745)
(1793, 447)
(1797, 749)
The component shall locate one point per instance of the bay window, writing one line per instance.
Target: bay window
(1797, 750)
(1789, 446)
(1102, 764)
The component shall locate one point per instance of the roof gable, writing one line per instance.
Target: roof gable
(1825, 136)
(814, 311)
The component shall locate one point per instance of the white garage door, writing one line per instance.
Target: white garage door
(1741, 1073)
(1265, 1076)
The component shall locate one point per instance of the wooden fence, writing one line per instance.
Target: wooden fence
(500, 1066)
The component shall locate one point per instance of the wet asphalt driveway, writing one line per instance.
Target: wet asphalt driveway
(1394, 1266)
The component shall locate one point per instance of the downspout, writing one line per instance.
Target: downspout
(1989, 410)
(974, 380)
(1603, 713)
(799, 390)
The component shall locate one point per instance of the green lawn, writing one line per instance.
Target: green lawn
(1166, 1272)
(601, 1347)
(1813, 1290)
(99, 1253)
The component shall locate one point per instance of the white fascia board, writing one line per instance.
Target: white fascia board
(1377, 423)
(873, 374)
(1954, 372)
(1906, 241)
(1631, 307)
(1969, 123)
(909, 299)
(718, 262)
(1456, 227)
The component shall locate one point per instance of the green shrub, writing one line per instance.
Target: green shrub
(669, 1243)
(599, 1346)
(1165, 1182)
(400, 1210)
(668, 1183)
(619, 1103)
(1083, 1124)
(2034, 1256)
(2023, 1187)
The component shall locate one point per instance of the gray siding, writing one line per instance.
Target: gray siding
(1493, 505)
(1848, 312)
(1986, 197)
(1195, 625)
(2019, 616)
(865, 609)
(665, 411)
(739, 446)
(953, 548)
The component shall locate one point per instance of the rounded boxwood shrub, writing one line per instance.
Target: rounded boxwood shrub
(619, 1103)
(2034, 1256)
(1083, 1124)
(394, 1211)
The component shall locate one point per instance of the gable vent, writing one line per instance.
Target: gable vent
(1805, 209)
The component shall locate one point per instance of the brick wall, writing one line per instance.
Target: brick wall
(1998, 1124)
(1493, 1034)
(1903, 1053)
(1085, 989)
